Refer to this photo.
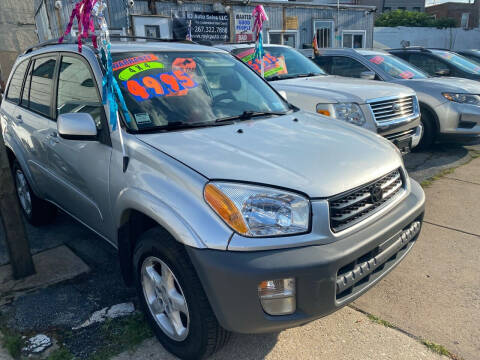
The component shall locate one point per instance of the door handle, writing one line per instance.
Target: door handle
(54, 137)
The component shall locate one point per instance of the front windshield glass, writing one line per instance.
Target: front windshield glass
(167, 89)
(396, 67)
(459, 61)
(279, 63)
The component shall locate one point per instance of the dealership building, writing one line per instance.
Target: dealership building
(291, 23)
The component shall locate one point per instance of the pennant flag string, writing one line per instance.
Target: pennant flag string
(82, 12)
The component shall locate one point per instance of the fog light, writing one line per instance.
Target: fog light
(277, 296)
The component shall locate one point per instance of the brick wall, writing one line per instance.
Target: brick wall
(455, 11)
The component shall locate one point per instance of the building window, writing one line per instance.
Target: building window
(152, 31)
(288, 37)
(353, 39)
(402, 8)
(465, 20)
(417, 9)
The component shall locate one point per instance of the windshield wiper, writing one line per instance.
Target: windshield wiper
(179, 125)
(292, 76)
(248, 114)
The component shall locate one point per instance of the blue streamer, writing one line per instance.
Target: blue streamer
(111, 91)
(259, 52)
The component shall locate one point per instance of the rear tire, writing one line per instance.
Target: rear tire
(194, 332)
(429, 131)
(37, 211)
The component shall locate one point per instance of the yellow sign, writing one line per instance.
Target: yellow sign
(291, 22)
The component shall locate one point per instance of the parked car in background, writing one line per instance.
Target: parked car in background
(450, 107)
(391, 111)
(473, 54)
(236, 210)
(439, 62)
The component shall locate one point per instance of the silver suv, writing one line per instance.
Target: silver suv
(234, 212)
(450, 107)
(389, 110)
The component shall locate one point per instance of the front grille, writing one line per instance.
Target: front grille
(352, 207)
(401, 134)
(387, 110)
(362, 273)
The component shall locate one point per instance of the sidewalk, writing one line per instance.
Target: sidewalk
(435, 292)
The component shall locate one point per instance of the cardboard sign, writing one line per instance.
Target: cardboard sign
(127, 73)
(271, 64)
(117, 65)
(176, 83)
(406, 75)
(377, 59)
(243, 27)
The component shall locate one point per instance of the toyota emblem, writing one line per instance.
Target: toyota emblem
(396, 107)
(376, 193)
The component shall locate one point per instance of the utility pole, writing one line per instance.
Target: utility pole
(11, 217)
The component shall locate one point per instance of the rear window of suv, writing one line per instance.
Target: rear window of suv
(15, 87)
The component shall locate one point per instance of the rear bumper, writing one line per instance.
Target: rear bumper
(327, 276)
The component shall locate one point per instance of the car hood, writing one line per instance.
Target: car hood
(313, 155)
(343, 89)
(451, 84)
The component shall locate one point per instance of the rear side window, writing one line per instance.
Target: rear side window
(41, 85)
(26, 89)
(15, 87)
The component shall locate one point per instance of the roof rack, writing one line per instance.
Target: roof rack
(48, 43)
(412, 48)
(71, 40)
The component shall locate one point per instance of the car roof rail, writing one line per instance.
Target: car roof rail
(411, 48)
(73, 41)
(50, 42)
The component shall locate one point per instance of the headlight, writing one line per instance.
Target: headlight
(258, 211)
(349, 112)
(463, 98)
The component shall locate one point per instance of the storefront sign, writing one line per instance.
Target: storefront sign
(243, 27)
(214, 27)
(291, 22)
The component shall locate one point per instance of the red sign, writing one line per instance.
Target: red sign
(243, 38)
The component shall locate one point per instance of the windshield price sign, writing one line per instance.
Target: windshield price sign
(212, 27)
(243, 27)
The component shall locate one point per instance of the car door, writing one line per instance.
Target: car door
(31, 119)
(80, 167)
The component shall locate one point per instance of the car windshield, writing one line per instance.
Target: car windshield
(169, 90)
(459, 61)
(396, 67)
(279, 63)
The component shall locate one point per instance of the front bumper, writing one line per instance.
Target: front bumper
(325, 274)
(458, 120)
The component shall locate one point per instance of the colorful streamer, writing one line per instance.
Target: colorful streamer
(83, 13)
(260, 16)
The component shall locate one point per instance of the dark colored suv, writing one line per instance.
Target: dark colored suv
(440, 62)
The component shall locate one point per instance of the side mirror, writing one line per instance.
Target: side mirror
(77, 126)
(283, 93)
(367, 75)
(442, 72)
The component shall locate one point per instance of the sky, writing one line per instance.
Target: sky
(432, 2)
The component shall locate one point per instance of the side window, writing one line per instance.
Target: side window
(77, 90)
(15, 87)
(325, 62)
(348, 67)
(26, 89)
(427, 63)
(41, 85)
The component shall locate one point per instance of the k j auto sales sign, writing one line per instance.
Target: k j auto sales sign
(243, 27)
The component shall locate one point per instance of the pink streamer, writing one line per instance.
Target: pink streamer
(259, 16)
(83, 13)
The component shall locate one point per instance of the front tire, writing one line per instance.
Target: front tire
(37, 211)
(173, 299)
(429, 131)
